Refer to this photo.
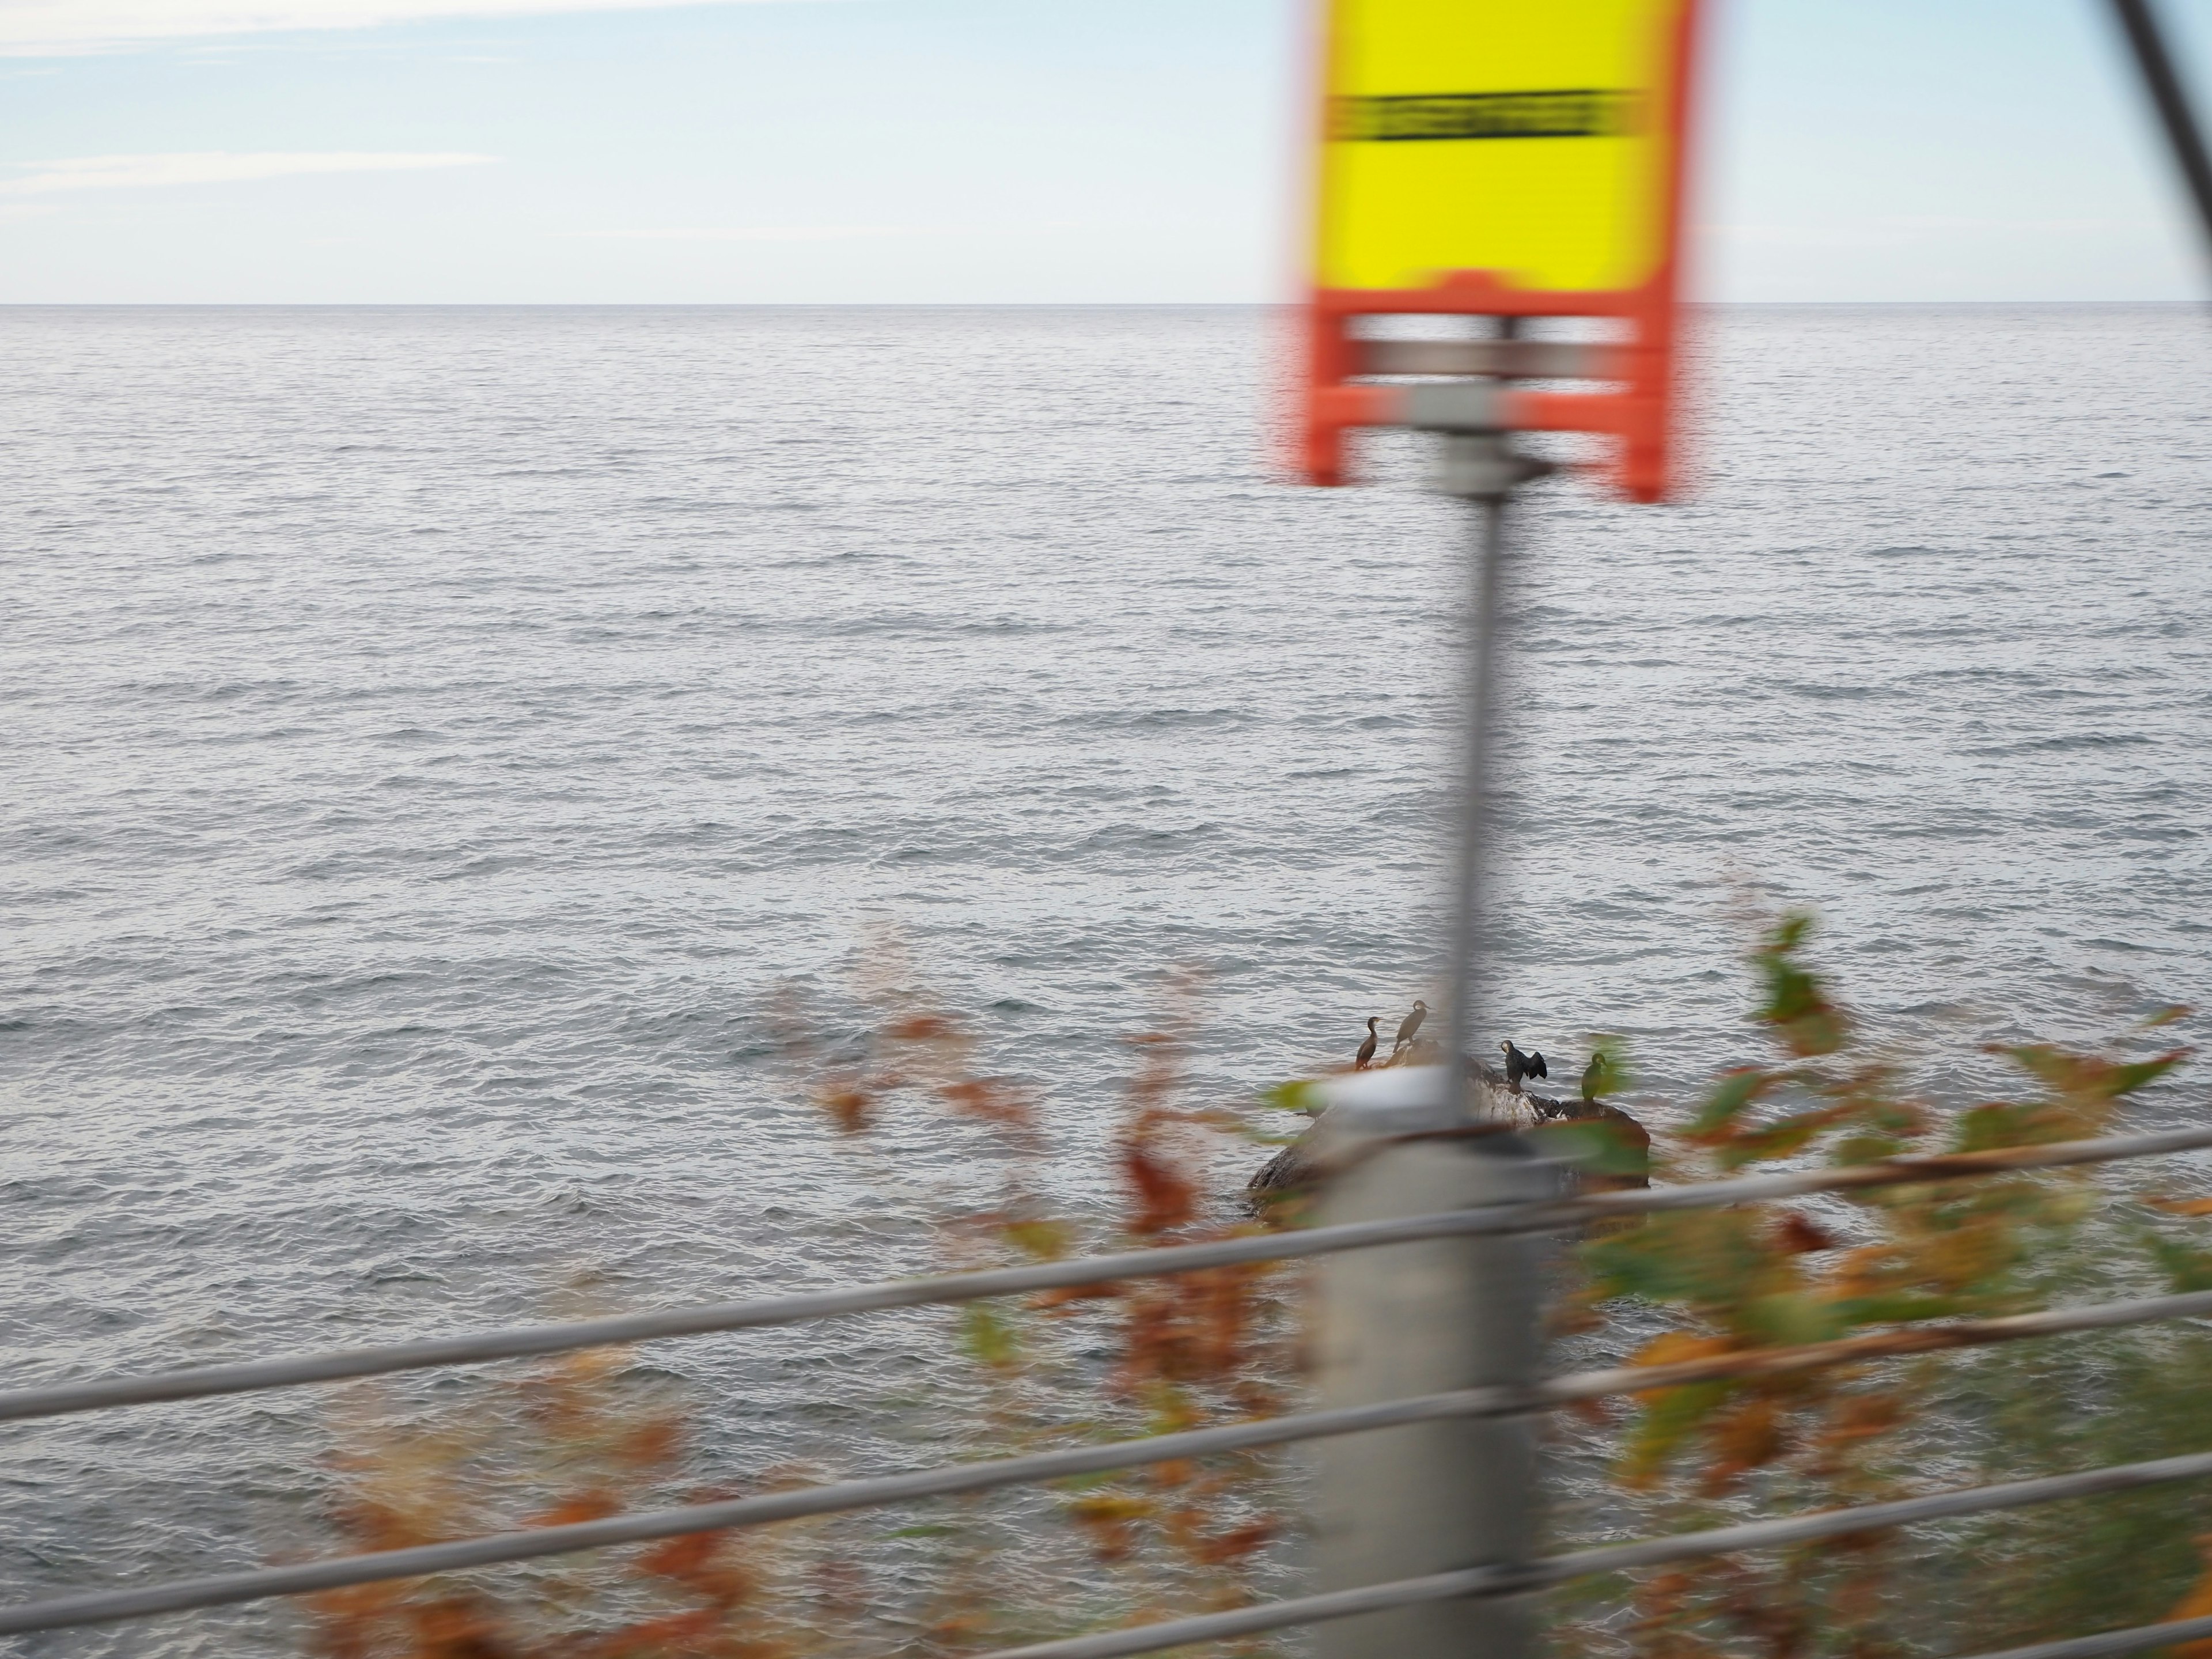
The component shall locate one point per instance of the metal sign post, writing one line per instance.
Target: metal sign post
(1508, 161)
(1418, 1319)
(1490, 158)
(1479, 465)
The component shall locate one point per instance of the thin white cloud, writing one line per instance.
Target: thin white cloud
(1841, 235)
(41, 28)
(1951, 222)
(1905, 230)
(749, 234)
(216, 166)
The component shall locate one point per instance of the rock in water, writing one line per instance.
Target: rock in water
(1286, 1174)
(1293, 1170)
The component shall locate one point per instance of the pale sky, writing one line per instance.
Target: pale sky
(991, 151)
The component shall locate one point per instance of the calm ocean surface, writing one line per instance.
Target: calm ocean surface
(432, 735)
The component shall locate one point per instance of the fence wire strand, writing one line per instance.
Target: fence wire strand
(259, 1585)
(1544, 1216)
(1507, 1580)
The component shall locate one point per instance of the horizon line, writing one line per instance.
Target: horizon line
(953, 305)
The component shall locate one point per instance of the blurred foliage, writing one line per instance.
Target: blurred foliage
(587, 1438)
(576, 1440)
(2098, 1564)
(1727, 1281)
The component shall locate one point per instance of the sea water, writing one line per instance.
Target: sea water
(432, 737)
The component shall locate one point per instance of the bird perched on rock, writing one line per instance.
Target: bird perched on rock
(1410, 1024)
(1518, 1065)
(1597, 1079)
(1367, 1048)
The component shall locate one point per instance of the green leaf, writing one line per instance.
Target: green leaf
(1778, 1139)
(2126, 1079)
(1618, 1269)
(1997, 1124)
(2187, 1268)
(1665, 1423)
(1900, 1307)
(987, 1338)
(1299, 1095)
(1796, 1002)
(1865, 1149)
(1597, 1147)
(1735, 1090)
(1789, 1319)
(2039, 1059)
(1041, 1241)
(1709, 1257)
(1087, 1482)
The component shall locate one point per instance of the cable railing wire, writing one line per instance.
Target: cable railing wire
(1514, 1579)
(257, 1585)
(1544, 1216)
(2134, 1640)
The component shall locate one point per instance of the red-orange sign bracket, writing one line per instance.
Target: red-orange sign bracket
(1547, 142)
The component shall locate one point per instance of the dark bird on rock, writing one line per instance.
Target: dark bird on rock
(1518, 1065)
(1411, 1024)
(1367, 1048)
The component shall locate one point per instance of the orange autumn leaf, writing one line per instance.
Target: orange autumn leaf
(1235, 1545)
(1797, 1235)
(991, 1099)
(583, 1506)
(653, 1445)
(458, 1628)
(1748, 1437)
(1067, 1295)
(1165, 1199)
(1675, 1348)
(2198, 1604)
(1109, 1518)
(681, 1558)
(920, 1027)
(1593, 1413)
(848, 1108)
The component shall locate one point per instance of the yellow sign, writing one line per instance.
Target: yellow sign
(1528, 137)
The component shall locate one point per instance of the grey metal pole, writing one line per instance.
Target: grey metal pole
(1410, 1319)
(1484, 582)
(1442, 1314)
(1478, 464)
(2140, 24)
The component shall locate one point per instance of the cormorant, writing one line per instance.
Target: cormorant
(1367, 1048)
(1411, 1024)
(1518, 1065)
(1597, 1079)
